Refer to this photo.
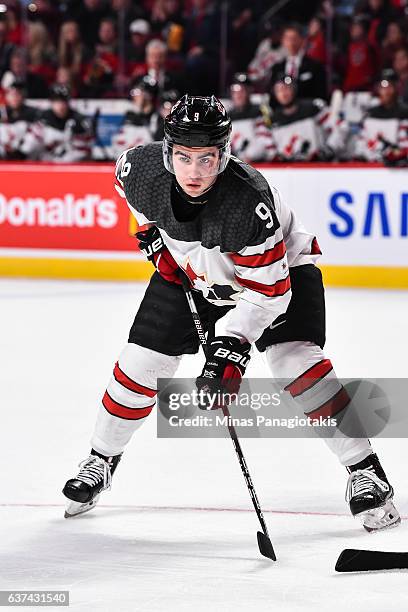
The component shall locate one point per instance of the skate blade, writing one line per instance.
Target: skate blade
(383, 517)
(75, 508)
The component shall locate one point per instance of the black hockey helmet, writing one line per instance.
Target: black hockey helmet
(388, 77)
(241, 79)
(197, 121)
(60, 92)
(146, 84)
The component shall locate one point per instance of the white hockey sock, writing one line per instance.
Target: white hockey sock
(312, 382)
(130, 396)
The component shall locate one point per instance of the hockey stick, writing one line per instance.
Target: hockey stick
(354, 560)
(264, 541)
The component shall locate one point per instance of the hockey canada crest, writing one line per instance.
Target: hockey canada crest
(211, 291)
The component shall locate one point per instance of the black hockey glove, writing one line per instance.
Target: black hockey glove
(227, 359)
(152, 245)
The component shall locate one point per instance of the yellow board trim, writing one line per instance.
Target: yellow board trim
(131, 270)
(83, 269)
(365, 276)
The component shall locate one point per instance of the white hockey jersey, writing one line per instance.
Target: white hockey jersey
(237, 251)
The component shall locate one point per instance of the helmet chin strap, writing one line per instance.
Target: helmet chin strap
(201, 199)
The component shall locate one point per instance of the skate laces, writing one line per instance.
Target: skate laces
(93, 470)
(364, 481)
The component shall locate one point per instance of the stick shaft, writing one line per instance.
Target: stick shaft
(231, 428)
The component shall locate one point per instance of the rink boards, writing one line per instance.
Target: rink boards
(67, 221)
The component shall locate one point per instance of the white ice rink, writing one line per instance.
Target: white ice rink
(177, 532)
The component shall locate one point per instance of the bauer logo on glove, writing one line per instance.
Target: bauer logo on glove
(227, 359)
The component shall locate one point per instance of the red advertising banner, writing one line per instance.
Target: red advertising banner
(73, 206)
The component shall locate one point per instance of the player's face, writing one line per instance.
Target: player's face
(239, 96)
(387, 94)
(284, 94)
(60, 108)
(14, 98)
(195, 168)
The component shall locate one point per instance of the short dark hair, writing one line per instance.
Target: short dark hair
(296, 27)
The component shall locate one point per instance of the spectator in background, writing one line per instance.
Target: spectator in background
(201, 46)
(246, 119)
(88, 14)
(48, 12)
(379, 13)
(400, 65)
(168, 22)
(41, 52)
(361, 58)
(140, 124)
(243, 33)
(71, 49)
(164, 13)
(166, 101)
(301, 129)
(384, 134)
(65, 78)
(395, 39)
(315, 42)
(6, 48)
(98, 80)
(15, 29)
(35, 85)
(268, 53)
(15, 119)
(61, 134)
(155, 67)
(139, 36)
(130, 12)
(309, 74)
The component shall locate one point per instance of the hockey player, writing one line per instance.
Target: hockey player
(15, 119)
(252, 264)
(139, 124)
(246, 120)
(300, 129)
(384, 133)
(62, 134)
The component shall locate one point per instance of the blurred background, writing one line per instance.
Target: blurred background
(317, 93)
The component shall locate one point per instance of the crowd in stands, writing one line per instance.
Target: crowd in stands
(316, 80)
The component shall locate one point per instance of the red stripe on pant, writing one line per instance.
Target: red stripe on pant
(309, 378)
(130, 384)
(332, 407)
(131, 414)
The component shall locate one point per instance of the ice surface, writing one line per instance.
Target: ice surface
(176, 532)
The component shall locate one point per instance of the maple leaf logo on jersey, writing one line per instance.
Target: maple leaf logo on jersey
(209, 290)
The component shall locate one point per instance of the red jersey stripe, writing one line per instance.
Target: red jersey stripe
(130, 384)
(279, 288)
(131, 414)
(264, 259)
(333, 406)
(309, 378)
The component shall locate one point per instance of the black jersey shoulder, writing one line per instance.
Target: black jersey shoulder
(228, 221)
(305, 109)
(244, 197)
(398, 111)
(250, 111)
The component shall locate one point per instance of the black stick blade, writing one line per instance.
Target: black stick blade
(265, 546)
(354, 560)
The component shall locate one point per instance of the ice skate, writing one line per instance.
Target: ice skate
(370, 495)
(94, 476)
